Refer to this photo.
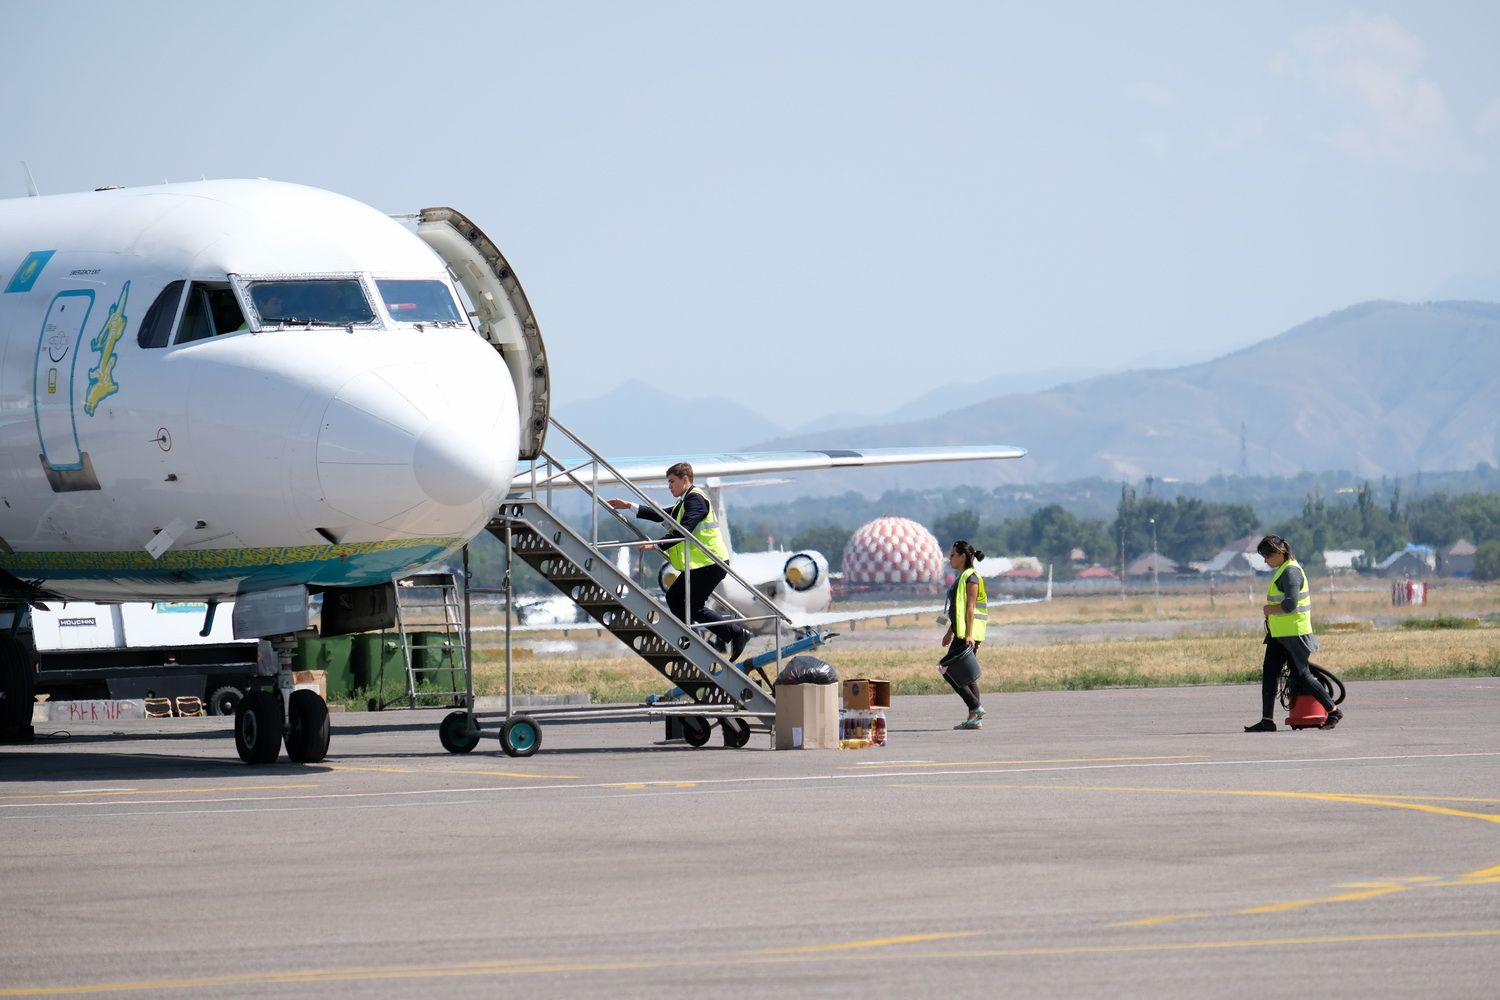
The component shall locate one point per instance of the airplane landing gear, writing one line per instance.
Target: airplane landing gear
(307, 728)
(257, 727)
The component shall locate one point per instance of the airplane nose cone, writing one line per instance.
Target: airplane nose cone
(417, 447)
(451, 464)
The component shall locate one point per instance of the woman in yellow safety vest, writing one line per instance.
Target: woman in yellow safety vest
(968, 616)
(1289, 635)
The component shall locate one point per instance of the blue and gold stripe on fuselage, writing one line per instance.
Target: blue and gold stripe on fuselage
(348, 565)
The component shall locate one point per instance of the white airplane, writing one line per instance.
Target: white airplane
(253, 391)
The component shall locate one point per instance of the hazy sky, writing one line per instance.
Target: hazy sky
(834, 206)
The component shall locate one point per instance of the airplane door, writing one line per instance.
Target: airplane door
(54, 390)
(501, 310)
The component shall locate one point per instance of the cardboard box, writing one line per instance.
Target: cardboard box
(313, 680)
(807, 717)
(861, 692)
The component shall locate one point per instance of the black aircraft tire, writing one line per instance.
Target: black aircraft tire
(455, 735)
(223, 700)
(257, 727)
(17, 681)
(308, 729)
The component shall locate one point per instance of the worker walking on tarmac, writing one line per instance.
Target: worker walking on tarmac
(968, 617)
(697, 574)
(1289, 636)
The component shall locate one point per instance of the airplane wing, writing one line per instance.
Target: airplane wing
(820, 618)
(653, 468)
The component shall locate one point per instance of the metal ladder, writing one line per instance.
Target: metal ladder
(429, 608)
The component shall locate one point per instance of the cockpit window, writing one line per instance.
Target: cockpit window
(156, 328)
(416, 301)
(311, 302)
(211, 310)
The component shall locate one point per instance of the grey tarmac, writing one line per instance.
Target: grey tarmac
(1127, 843)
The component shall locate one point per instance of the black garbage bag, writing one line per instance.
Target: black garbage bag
(962, 664)
(808, 670)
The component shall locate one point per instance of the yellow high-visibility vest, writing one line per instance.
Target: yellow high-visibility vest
(961, 604)
(1299, 622)
(707, 533)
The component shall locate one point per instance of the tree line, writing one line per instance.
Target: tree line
(1190, 529)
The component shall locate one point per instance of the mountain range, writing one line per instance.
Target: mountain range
(1378, 388)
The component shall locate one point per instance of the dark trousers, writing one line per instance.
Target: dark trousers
(968, 692)
(705, 580)
(1280, 653)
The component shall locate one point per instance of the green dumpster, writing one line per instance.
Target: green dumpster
(332, 655)
(435, 661)
(378, 654)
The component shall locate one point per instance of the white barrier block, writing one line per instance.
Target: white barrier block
(93, 710)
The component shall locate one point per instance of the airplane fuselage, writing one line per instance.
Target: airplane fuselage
(170, 428)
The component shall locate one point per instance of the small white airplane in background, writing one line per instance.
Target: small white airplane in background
(253, 391)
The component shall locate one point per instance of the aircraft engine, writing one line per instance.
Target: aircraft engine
(802, 572)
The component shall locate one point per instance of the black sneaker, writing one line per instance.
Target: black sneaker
(1263, 726)
(737, 646)
(1334, 718)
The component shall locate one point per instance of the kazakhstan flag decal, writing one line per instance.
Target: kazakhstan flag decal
(29, 271)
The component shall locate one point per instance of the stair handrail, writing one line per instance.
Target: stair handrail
(595, 461)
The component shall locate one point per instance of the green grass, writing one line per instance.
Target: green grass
(1440, 621)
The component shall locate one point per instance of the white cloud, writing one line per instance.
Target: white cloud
(1368, 71)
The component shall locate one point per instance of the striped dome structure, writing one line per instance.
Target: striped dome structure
(894, 550)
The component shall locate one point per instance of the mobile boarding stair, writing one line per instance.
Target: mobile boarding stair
(718, 692)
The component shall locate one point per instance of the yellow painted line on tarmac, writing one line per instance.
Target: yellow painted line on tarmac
(1479, 877)
(676, 962)
(636, 786)
(457, 773)
(1359, 799)
(1168, 919)
(1431, 798)
(1043, 760)
(1301, 904)
(102, 792)
(808, 949)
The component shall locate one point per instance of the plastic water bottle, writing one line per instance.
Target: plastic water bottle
(879, 734)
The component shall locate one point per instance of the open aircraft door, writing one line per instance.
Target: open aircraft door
(501, 312)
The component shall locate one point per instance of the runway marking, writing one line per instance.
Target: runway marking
(1152, 921)
(636, 786)
(677, 962)
(884, 775)
(1479, 877)
(154, 791)
(807, 949)
(1041, 760)
(445, 771)
(1301, 904)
